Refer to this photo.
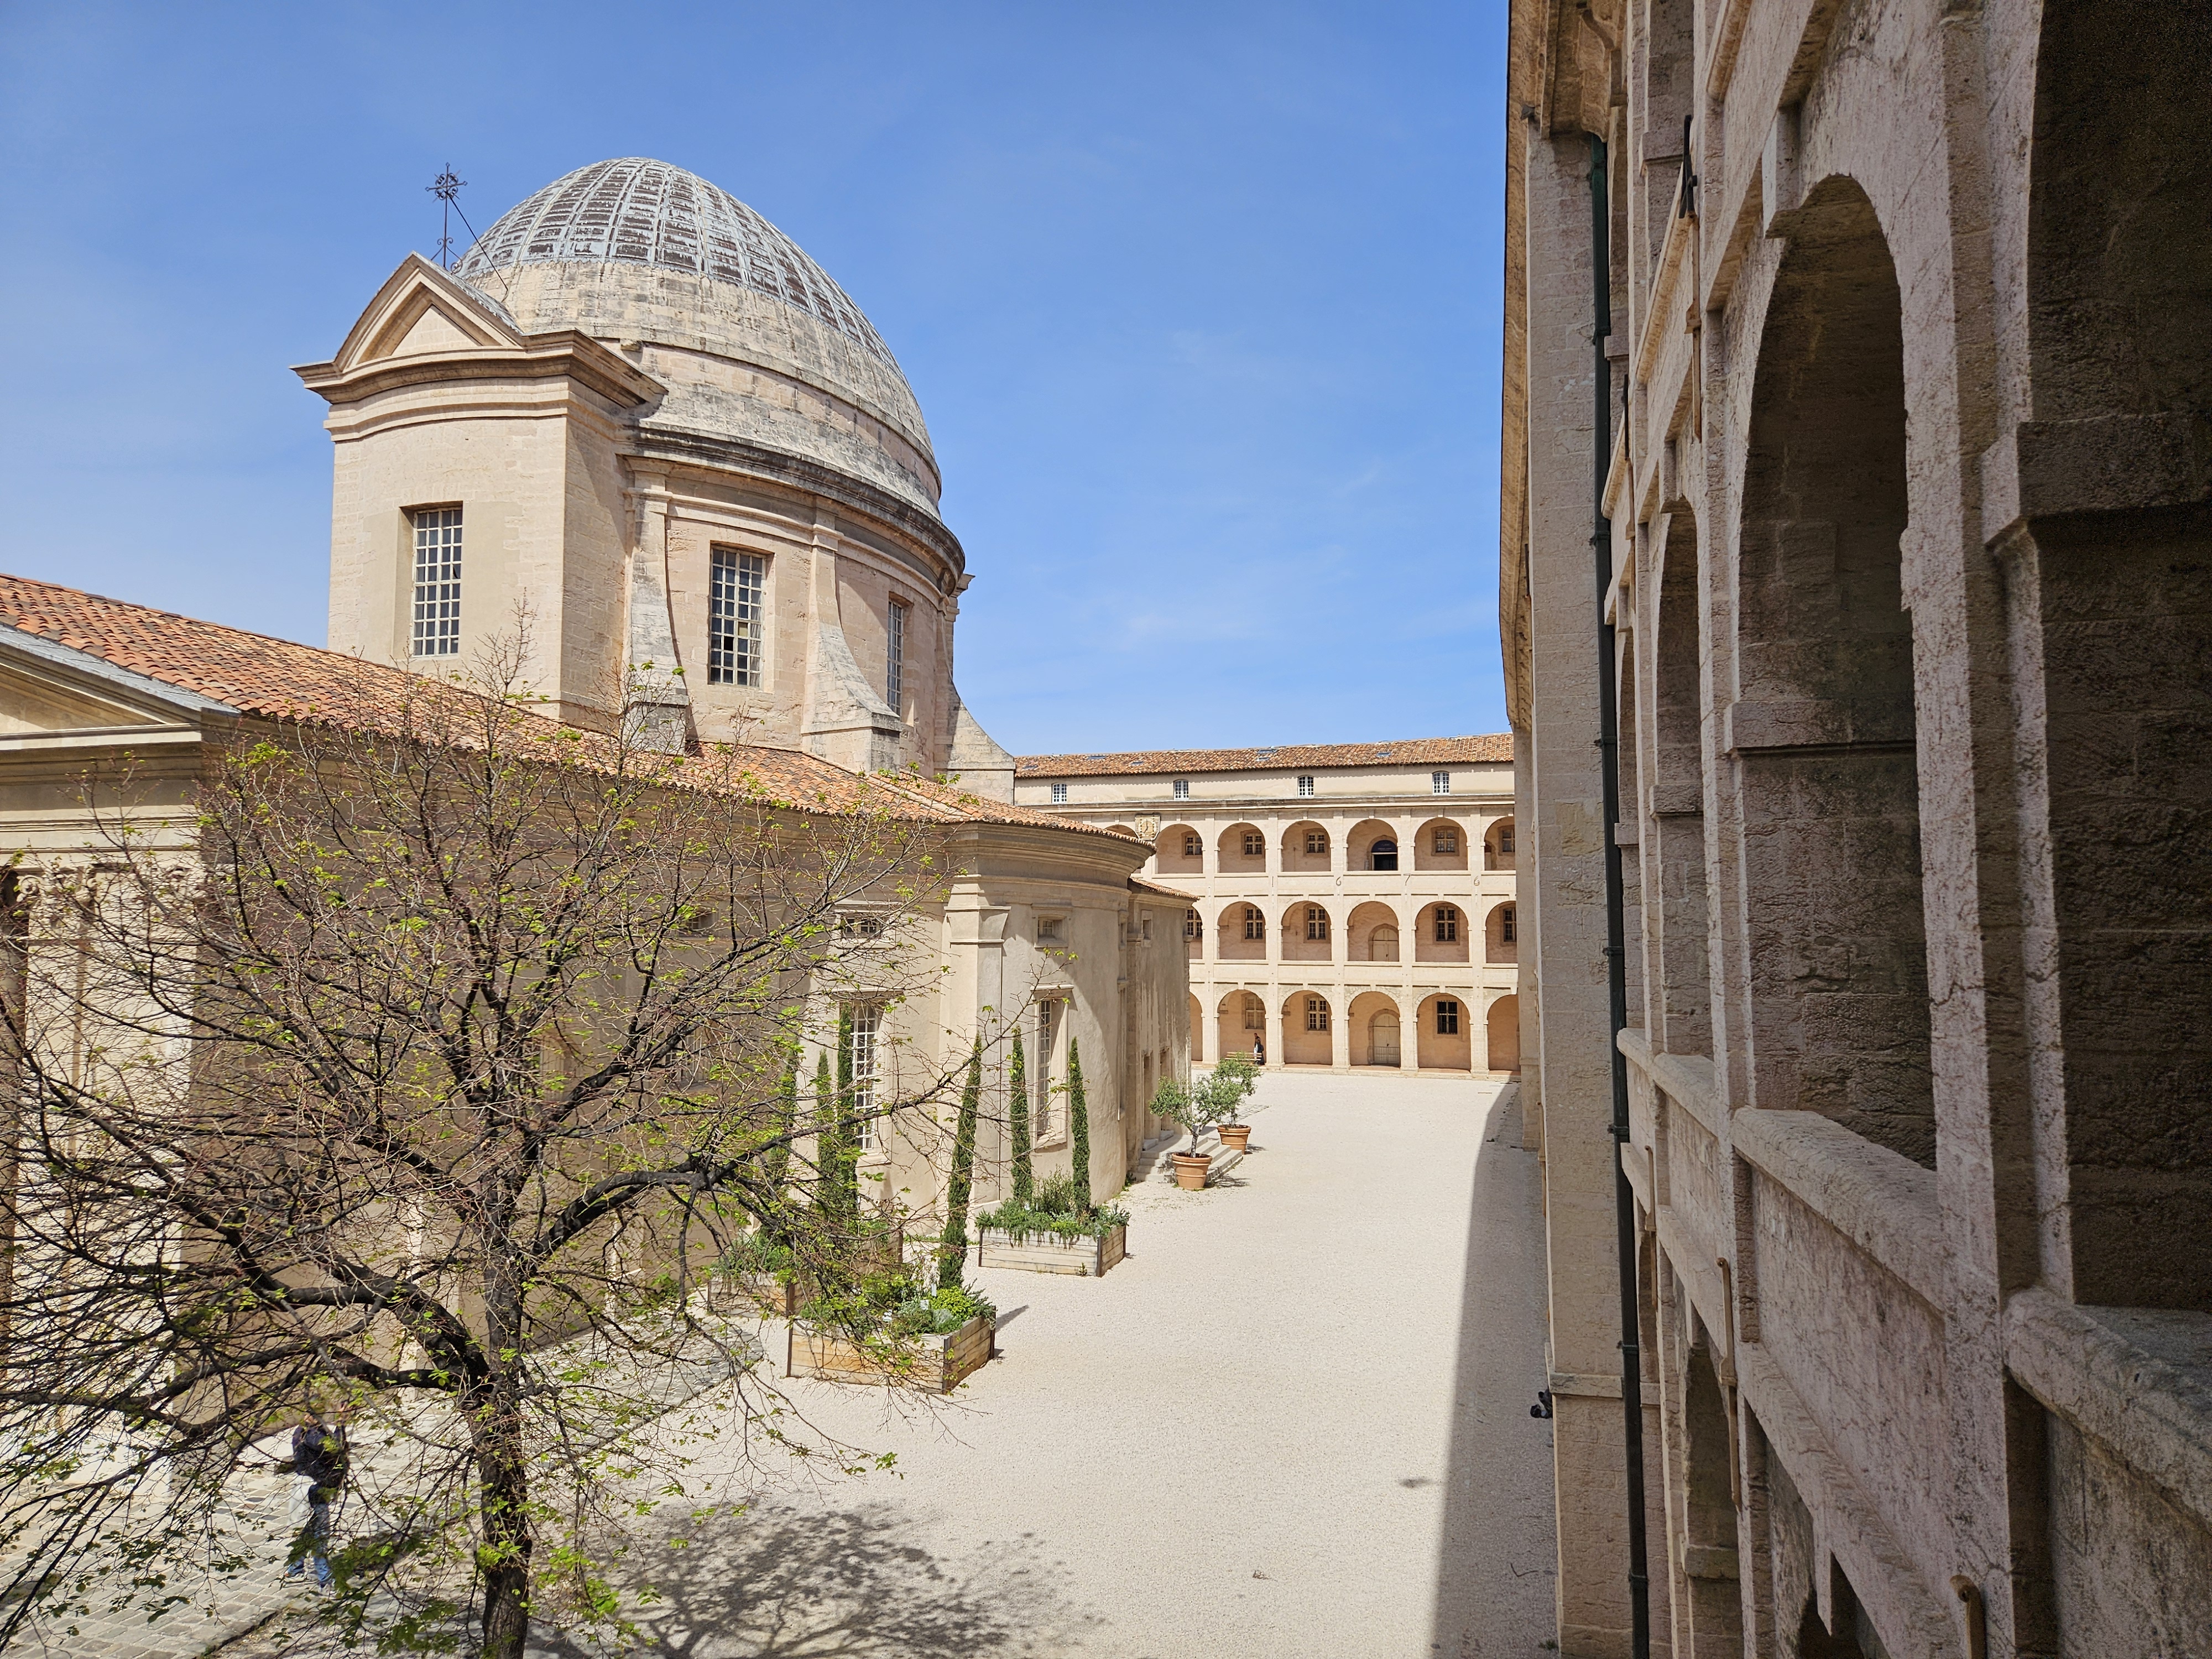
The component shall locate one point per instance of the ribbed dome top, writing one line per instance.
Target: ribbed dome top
(637, 212)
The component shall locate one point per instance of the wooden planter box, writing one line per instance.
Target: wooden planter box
(940, 1361)
(1051, 1253)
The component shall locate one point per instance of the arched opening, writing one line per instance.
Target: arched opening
(1309, 1030)
(1241, 1025)
(1498, 845)
(1503, 1033)
(1446, 1042)
(1440, 844)
(2114, 572)
(1308, 935)
(1197, 1016)
(1501, 934)
(1242, 935)
(1680, 917)
(1442, 934)
(1242, 849)
(1371, 933)
(1306, 847)
(1716, 1604)
(1823, 725)
(1179, 850)
(1373, 1030)
(1372, 845)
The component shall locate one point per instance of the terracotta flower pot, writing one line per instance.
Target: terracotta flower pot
(1236, 1137)
(1190, 1170)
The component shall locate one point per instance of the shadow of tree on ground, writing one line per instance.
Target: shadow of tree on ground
(795, 1581)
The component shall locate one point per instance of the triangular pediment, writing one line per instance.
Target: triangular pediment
(421, 310)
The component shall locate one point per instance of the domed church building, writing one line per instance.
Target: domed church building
(638, 422)
(638, 409)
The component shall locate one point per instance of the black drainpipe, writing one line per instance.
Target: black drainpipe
(1616, 941)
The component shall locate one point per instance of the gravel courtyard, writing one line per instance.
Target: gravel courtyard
(1294, 1422)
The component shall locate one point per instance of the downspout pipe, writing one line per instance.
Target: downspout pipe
(1616, 931)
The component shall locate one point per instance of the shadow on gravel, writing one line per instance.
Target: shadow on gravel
(802, 1583)
(1500, 1549)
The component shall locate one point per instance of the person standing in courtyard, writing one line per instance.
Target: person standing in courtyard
(1259, 1051)
(319, 1462)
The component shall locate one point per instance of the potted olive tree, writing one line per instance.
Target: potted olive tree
(1234, 1080)
(1197, 1107)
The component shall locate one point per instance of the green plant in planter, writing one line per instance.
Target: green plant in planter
(1237, 1074)
(953, 1250)
(892, 1306)
(1197, 1107)
(1078, 1126)
(1024, 1223)
(1017, 1123)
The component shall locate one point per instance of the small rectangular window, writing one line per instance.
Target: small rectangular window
(1192, 846)
(437, 581)
(1255, 1015)
(1505, 924)
(894, 661)
(1305, 784)
(1447, 924)
(1506, 840)
(1190, 924)
(1255, 844)
(735, 586)
(1440, 783)
(1316, 1014)
(1060, 795)
(1182, 788)
(1144, 928)
(1447, 840)
(1050, 930)
(1317, 842)
(1255, 924)
(1447, 1017)
(1316, 923)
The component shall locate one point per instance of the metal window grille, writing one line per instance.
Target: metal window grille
(895, 666)
(438, 581)
(1256, 925)
(1305, 784)
(1447, 1017)
(1316, 923)
(861, 1052)
(1182, 788)
(1316, 1014)
(733, 617)
(1440, 783)
(1447, 924)
(1505, 925)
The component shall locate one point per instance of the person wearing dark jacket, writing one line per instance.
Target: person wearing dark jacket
(318, 1465)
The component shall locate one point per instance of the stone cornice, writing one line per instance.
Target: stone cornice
(567, 353)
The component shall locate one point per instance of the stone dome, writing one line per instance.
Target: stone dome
(637, 249)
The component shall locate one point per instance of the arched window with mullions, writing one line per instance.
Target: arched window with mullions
(1447, 920)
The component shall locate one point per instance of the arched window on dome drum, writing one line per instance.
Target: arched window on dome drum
(1383, 856)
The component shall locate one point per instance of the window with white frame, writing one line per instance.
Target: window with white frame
(1440, 783)
(1447, 924)
(735, 584)
(1316, 1014)
(1316, 923)
(1182, 788)
(863, 1046)
(437, 581)
(1050, 1020)
(1447, 1017)
(1060, 795)
(1305, 783)
(894, 659)
(1190, 924)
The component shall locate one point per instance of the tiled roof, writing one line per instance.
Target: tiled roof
(282, 679)
(1138, 885)
(1493, 750)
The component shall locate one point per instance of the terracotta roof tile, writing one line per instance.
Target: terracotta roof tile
(1493, 749)
(282, 679)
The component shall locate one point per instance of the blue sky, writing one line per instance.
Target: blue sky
(1201, 302)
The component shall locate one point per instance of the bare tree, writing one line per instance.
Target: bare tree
(422, 1065)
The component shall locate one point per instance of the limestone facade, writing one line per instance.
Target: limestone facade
(1352, 905)
(1907, 554)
